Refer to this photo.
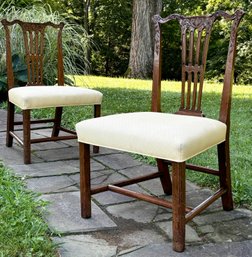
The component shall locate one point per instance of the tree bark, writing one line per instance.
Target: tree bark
(86, 25)
(142, 41)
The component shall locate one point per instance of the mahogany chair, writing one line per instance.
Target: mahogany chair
(171, 138)
(36, 94)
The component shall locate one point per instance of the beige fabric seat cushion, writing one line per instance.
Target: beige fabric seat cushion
(161, 135)
(34, 97)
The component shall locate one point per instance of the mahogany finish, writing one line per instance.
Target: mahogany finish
(34, 46)
(195, 35)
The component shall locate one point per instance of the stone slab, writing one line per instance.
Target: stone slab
(191, 234)
(84, 245)
(64, 214)
(99, 177)
(109, 198)
(231, 231)
(2, 139)
(95, 166)
(138, 211)
(142, 237)
(237, 249)
(52, 184)
(44, 169)
(47, 132)
(197, 196)
(234, 249)
(3, 119)
(14, 155)
(117, 161)
(128, 237)
(163, 214)
(220, 216)
(42, 146)
(66, 153)
(151, 250)
(154, 186)
(105, 177)
(139, 170)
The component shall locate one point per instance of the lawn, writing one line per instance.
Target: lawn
(23, 232)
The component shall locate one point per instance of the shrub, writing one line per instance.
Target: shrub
(75, 43)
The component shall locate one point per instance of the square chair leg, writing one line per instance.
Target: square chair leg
(97, 113)
(85, 191)
(27, 136)
(10, 123)
(178, 206)
(225, 175)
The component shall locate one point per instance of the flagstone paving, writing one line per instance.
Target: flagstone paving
(120, 225)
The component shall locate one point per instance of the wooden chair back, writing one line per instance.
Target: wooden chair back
(195, 36)
(34, 48)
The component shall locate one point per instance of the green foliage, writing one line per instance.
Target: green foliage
(19, 71)
(22, 229)
(110, 25)
(19, 68)
(75, 41)
(244, 47)
(219, 39)
(108, 22)
(17, 3)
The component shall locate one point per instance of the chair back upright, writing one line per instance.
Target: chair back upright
(195, 36)
(34, 35)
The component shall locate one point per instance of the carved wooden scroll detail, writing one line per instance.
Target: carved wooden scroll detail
(195, 36)
(34, 45)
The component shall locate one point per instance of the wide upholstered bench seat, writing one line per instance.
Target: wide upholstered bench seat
(161, 135)
(34, 97)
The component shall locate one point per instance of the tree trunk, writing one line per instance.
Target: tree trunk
(142, 41)
(86, 25)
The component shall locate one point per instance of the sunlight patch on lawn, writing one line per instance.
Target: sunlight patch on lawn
(140, 84)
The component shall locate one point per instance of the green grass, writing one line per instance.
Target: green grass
(130, 95)
(23, 232)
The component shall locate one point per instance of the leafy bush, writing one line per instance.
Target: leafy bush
(75, 43)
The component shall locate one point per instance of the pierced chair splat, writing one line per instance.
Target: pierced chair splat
(172, 139)
(35, 94)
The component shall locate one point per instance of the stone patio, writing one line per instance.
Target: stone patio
(120, 226)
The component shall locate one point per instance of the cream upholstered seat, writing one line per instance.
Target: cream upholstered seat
(36, 94)
(160, 135)
(171, 138)
(33, 97)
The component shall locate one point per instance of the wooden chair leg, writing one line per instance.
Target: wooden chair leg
(97, 113)
(178, 206)
(165, 178)
(57, 121)
(85, 190)
(10, 123)
(27, 136)
(225, 175)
